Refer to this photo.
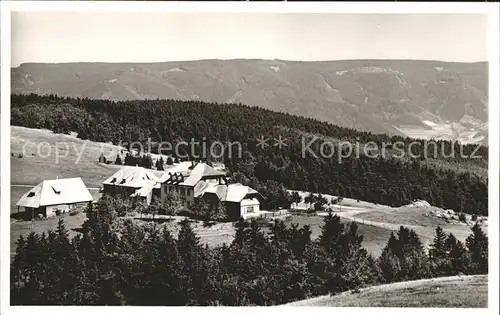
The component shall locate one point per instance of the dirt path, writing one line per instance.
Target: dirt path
(351, 215)
(426, 233)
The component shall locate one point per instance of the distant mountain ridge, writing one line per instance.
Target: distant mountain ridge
(423, 99)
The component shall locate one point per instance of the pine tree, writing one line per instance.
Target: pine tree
(296, 198)
(17, 272)
(438, 255)
(34, 268)
(404, 257)
(309, 199)
(331, 231)
(414, 258)
(160, 163)
(280, 233)
(102, 158)
(154, 208)
(166, 267)
(187, 239)
(356, 267)
(193, 264)
(457, 255)
(118, 160)
(240, 236)
(388, 261)
(300, 239)
(146, 161)
(170, 161)
(477, 245)
(129, 160)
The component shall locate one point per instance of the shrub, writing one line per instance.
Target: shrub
(185, 213)
(474, 217)
(462, 217)
(318, 206)
(263, 222)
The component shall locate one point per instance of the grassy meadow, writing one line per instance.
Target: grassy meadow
(449, 292)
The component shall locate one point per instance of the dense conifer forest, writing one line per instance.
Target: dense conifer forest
(116, 261)
(394, 179)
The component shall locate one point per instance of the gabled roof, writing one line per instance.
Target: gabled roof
(192, 178)
(179, 168)
(55, 192)
(145, 189)
(132, 176)
(201, 171)
(232, 192)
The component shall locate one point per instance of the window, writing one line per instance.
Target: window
(31, 194)
(188, 192)
(165, 189)
(249, 209)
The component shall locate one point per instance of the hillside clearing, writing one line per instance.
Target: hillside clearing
(450, 292)
(416, 218)
(46, 155)
(391, 218)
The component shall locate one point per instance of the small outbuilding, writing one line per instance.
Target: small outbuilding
(239, 200)
(132, 181)
(54, 197)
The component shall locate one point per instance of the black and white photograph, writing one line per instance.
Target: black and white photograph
(187, 156)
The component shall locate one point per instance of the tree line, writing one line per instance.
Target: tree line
(386, 179)
(119, 262)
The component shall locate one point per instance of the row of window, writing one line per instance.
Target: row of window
(180, 190)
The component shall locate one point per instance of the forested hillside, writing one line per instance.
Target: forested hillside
(394, 179)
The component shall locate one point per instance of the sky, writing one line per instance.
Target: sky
(157, 37)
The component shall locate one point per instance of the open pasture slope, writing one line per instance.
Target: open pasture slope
(449, 292)
(39, 154)
(416, 216)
